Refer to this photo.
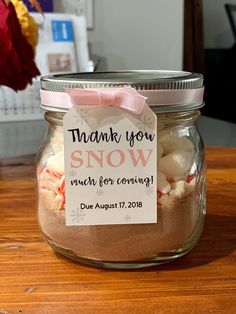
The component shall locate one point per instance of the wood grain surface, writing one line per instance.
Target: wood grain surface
(33, 279)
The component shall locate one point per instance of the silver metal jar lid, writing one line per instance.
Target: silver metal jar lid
(143, 80)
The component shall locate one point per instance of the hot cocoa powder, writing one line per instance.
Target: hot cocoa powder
(124, 242)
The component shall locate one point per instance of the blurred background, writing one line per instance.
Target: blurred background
(99, 35)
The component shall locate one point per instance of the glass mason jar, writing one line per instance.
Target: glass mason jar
(181, 174)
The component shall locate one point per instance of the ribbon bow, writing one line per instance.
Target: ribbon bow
(124, 97)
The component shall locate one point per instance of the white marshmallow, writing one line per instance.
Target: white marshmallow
(58, 202)
(172, 142)
(47, 198)
(180, 189)
(167, 201)
(176, 164)
(57, 141)
(56, 162)
(163, 185)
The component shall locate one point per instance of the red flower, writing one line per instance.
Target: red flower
(17, 67)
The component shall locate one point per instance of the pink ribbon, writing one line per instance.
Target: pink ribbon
(124, 97)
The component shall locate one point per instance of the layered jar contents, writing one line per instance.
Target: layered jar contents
(180, 200)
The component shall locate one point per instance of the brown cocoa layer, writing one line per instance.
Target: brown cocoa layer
(124, 242)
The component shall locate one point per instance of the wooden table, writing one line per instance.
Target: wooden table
(33, 279)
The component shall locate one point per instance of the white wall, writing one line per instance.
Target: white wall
(217, 32)
(137, 34)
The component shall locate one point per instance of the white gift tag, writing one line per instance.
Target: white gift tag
(110, 166)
